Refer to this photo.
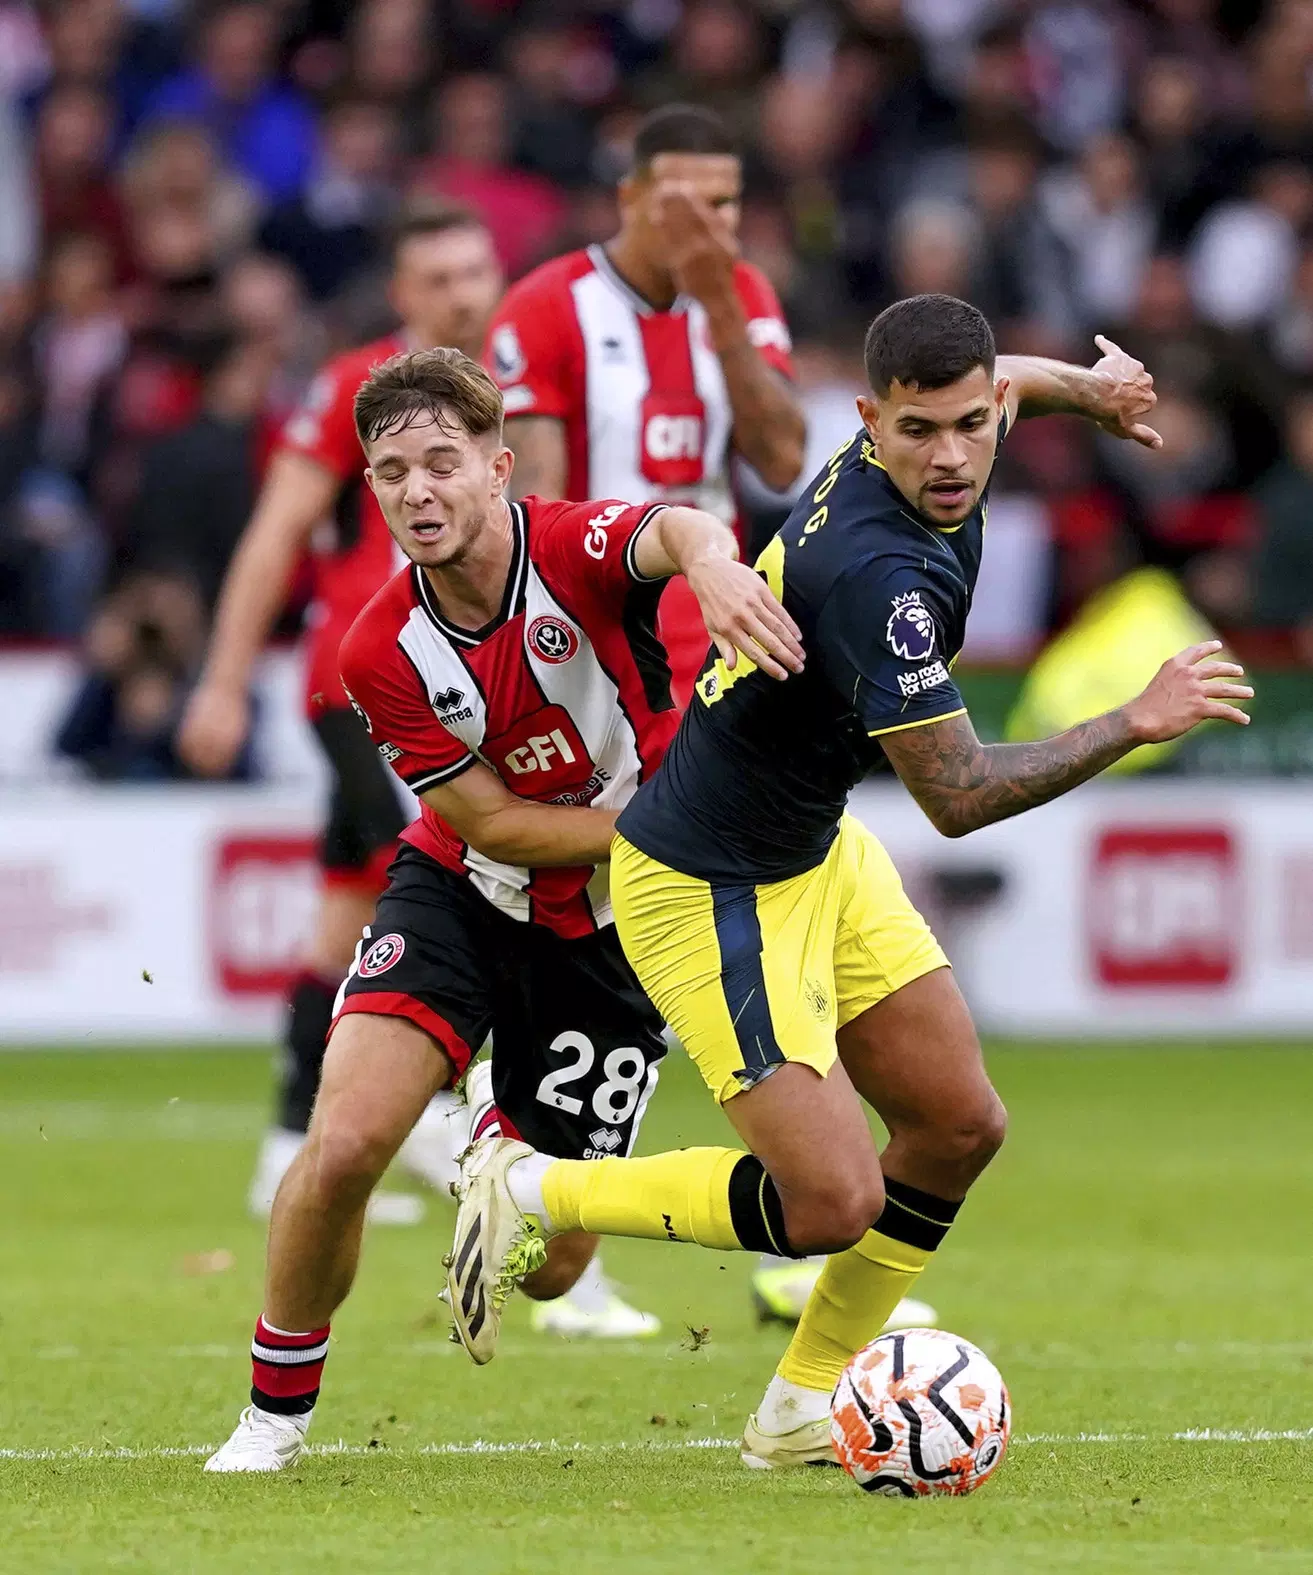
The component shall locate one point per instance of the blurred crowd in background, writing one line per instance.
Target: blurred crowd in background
(195, 202)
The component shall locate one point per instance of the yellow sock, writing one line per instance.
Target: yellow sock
(848, 1307)
(681, 1196)
(858, 1289)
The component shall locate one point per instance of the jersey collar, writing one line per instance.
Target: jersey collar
(601, 261)
(512, 602)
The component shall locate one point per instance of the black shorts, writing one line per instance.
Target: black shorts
(576, 1042)
(365, 816)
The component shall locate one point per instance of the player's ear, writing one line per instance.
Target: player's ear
(869, 410)
(502, 465)
(369, 479)
(1001, 387)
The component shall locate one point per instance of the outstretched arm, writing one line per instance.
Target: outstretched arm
(962, 784)
(738, 609)
(1116, 392)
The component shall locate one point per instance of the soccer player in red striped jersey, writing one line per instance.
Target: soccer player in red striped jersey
(512, 677)
(640, 369)
(445, 283)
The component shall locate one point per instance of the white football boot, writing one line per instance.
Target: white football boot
(262, 1441)
(791, 1427)
(496, 1245)
(277, 1151)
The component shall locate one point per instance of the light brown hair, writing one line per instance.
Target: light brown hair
(444, 383)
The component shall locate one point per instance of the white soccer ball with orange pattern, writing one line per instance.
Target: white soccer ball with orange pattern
(920, 1412)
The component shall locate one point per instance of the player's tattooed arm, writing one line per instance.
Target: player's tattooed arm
(482, 811)
(1116, 392)
(538, 443)
(962, 784)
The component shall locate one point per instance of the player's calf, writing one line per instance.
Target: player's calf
(568, 1255)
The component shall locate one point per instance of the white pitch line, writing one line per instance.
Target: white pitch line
(542, 1446)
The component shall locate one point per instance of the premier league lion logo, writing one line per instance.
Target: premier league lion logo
(910, 630)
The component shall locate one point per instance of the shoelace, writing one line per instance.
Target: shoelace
(527, 1252)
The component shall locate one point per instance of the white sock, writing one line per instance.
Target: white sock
(590, 1292)
(525, 1181)
(785, 1406)
(478, 1095)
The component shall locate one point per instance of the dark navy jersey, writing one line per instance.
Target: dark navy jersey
(752, 788)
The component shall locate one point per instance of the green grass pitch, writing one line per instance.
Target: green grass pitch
(1137, 1262)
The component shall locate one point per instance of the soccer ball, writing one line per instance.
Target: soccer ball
(920, 1412)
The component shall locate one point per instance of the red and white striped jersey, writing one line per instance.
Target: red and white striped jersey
(566, 694)
(641, 392)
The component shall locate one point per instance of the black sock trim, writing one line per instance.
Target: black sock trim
(916, 1218)
(755, 1210)
(284, 1405)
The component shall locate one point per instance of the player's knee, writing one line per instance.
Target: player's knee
(834, 1218)
(347, 1160)
(568, 1255)
(971, 1140)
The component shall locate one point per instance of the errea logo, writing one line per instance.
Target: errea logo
(450, 706)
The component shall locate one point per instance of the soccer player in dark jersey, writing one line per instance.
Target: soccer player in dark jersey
(511, 676)
(771, 930)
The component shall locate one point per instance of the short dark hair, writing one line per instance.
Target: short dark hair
(680, 128)
(440, 383)
(420, 223)
(927, 341)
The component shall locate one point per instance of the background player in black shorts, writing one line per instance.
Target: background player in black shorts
(512, 678)
(445, 283)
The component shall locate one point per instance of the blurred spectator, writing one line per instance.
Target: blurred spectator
(1099, 211)
(265, 129)
(1021, 274)
(1243, 257)
(18, 232)
(1291, 328)
(1076, 51)
(175, 167)
(140, 649)
(718, 49)
(198, 483)
(67, 553)
(263, 306)
(1283, 565)
(1171, 122)
(78, 345)
(77, 196)
(332, 230)
(393, 54)
(470, 167)
(553, 134)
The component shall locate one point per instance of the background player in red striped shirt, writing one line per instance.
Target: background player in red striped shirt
(445, 283)
(512, 678)
(638, 369)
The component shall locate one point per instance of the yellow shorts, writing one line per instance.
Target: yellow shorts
(750, 977)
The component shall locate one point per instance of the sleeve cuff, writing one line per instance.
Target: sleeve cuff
(921, 721)
(631, 563)
(422, 781)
